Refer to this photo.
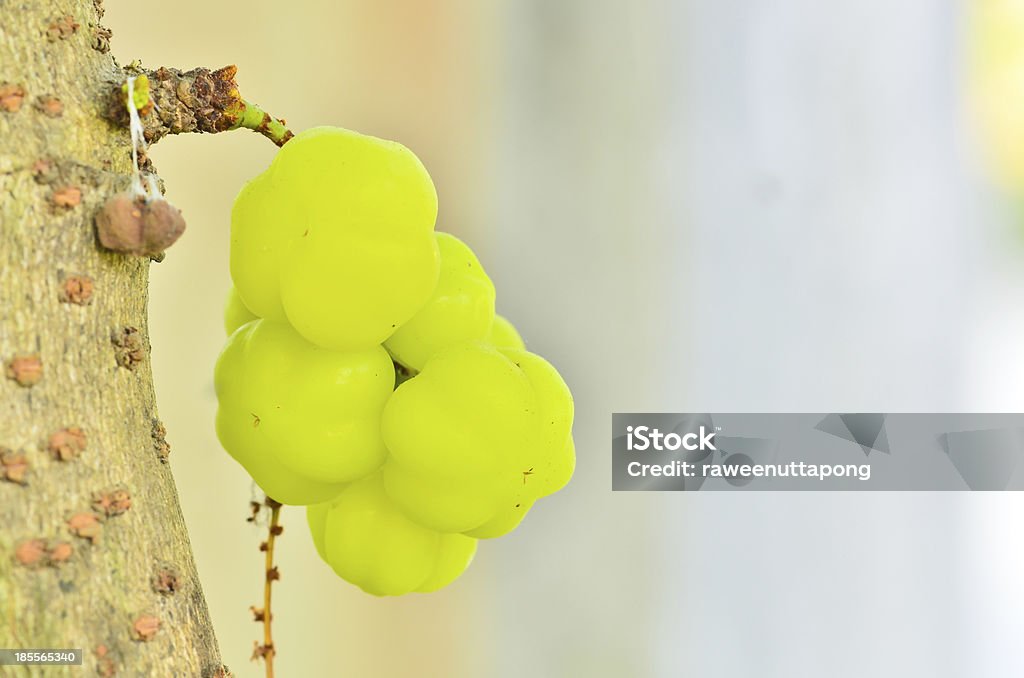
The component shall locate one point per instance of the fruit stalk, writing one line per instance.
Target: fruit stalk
(255, 118)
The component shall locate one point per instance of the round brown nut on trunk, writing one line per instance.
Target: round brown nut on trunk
(132, 225)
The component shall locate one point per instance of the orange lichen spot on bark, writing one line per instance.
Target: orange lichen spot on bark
(77, 289)
(86, 525)
(67, 197)
(67, 443)
(145, 627)
(50, 106)
(60, 552)
(26, 370)
(31, 552)
(62, 28)
(112, 502)
(11, 96)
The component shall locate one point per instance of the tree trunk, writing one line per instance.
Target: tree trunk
(93, 550)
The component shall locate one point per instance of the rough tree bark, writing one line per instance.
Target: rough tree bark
(93, 550)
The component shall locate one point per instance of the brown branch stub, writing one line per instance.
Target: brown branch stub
(199, 100)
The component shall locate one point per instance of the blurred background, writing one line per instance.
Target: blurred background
(692, 205)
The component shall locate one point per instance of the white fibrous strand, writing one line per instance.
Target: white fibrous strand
(147, 190)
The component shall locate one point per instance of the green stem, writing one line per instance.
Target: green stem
(255, 118)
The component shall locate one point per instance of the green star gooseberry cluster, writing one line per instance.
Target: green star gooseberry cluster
(339, 277)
